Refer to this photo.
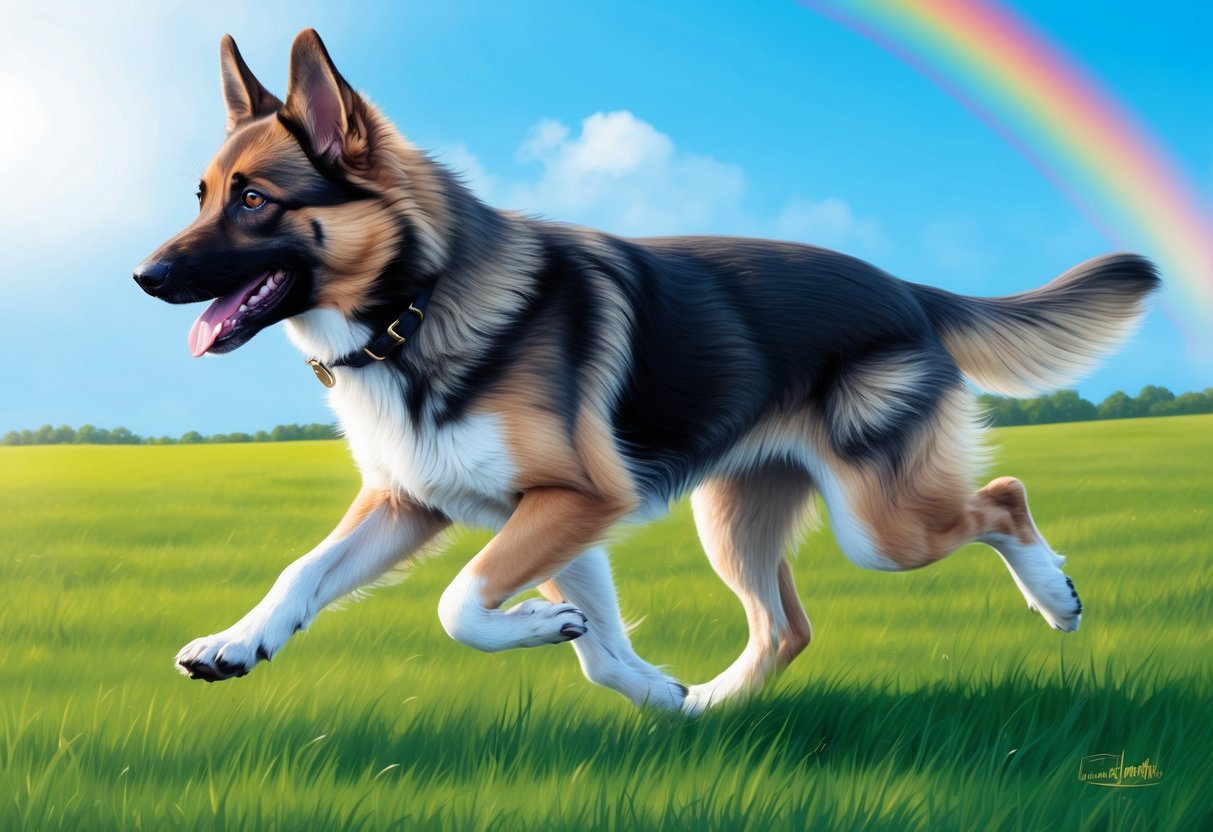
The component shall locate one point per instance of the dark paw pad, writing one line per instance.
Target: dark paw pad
(230, 668)
(1074, 595)
(200, 670)
(572, 631)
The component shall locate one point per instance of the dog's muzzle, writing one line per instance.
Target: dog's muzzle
(152, 276)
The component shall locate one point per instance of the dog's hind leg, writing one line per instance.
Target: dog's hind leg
(923, 508)
(747, 523)
(1035, 567)
(379, 531)
(605, 652)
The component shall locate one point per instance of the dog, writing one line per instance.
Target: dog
(551, 382)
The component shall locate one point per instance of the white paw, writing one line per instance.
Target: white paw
(1057, 603)
(1037, 572)
(701, 697)
(665, 694)
(733, 684)
(536, 622)
(225, 655)
(643, 684)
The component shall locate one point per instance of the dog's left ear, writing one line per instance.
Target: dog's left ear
(243, 94)
(321, 104)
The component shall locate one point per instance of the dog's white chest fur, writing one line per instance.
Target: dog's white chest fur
(462, 468)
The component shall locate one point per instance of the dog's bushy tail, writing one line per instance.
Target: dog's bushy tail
(1043, 339)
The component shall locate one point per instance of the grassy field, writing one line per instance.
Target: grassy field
(928, 700)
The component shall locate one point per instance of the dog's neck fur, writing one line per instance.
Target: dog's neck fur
(478, 277)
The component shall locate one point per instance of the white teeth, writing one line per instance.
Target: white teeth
(265, 290)
(244, 307)
(270, 283)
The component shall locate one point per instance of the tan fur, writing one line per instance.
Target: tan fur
(243, 94)
(748, 522)
(600, 457)
(574, 489)
(1004, 507)
(543, 449)
(549, 528)
(927, 508)
(549, 590)
(540, 443)
(360, 241)
(379, 159)
(799, 633)
(360, 236)
(427, 522)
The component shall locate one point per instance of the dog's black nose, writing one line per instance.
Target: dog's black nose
(151, 276)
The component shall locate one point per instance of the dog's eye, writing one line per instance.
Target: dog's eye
(252, 199)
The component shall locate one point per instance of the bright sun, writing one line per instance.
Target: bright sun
(28, 125)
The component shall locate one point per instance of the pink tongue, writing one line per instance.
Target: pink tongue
(205, 330)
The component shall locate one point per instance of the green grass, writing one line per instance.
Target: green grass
(928, 700)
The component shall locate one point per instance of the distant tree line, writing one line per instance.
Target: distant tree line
(90, 435)
(1062, 406)
(1068, 406)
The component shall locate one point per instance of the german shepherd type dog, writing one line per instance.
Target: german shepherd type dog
(551, 382)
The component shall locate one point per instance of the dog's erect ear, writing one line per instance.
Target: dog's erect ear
(321, 104)
(246, 99)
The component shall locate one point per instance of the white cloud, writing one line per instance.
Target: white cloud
(545, 136)
(623, 174)
(829, 223)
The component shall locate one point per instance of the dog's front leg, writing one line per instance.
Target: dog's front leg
(379, 531)
(550, 527)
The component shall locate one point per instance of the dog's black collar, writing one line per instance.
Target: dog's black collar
(380, 347)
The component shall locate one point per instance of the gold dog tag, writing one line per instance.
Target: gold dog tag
(323, 373)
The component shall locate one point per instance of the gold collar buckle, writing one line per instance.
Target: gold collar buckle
(323, 373)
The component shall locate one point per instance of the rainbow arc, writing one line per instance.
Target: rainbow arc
(1052, 111)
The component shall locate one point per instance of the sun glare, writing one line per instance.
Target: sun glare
(25, 131)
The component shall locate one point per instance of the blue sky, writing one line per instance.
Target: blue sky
(639, 118)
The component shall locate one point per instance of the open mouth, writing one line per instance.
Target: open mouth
(239, 314)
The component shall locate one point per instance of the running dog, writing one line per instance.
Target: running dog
(551, 382)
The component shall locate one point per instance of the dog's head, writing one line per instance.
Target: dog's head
(307, 204)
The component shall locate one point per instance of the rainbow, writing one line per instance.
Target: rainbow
(1058, 117)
